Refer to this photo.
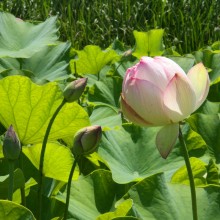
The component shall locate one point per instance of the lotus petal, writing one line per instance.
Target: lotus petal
(169, 66)
(199, 78)
(166, 138)
(151, 71)
(146, 100)
(179, 98)
(131, 115)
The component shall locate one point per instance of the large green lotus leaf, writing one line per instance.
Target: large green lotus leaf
(46, 65)
(155, 200)
(91, 195)
(209, 108)
(131, 153)
(58, 160)
(148, 43)
(106, 117)
(29, 107)
(10, 210)
(92, 59)
(208, 126)
(19, 39)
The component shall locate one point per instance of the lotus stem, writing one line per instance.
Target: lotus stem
(190, 174)
(44, 144)
(11, 179)
(69, 187)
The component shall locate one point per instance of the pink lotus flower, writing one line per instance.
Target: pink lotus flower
(157, 92)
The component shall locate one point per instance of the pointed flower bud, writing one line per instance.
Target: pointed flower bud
(11, 144)
(74, 90)
(86, 140)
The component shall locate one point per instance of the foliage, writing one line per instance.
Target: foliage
(126, 178)
(189, 25)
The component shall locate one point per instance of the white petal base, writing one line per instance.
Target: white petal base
(166, 138)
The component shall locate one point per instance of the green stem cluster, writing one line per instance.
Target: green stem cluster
(69, 187)
(40, 183)
(190, 174)
(11, 180)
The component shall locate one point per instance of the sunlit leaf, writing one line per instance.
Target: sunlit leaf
(58, 160)
(21, 39)
(121, 210)
(148, 43)
(29, 107)
(92, 59)
(198, 169)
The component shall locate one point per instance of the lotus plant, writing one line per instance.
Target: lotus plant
(157, 92)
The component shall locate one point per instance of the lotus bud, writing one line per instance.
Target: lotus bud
(157, 92)
(11, 145)
(74, 90)
(86, 140)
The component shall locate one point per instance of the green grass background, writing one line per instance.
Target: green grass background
(189, 24)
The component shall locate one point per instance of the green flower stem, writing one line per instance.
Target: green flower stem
(23, 198)
(44, 144)
(68, 187)
(190, 174)
(11, 179)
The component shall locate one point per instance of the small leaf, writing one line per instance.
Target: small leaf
(148, 43)
(19, 181)
(92, 59)
(10, 210)
(212, 173)
(198, 169)
(121, 211)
